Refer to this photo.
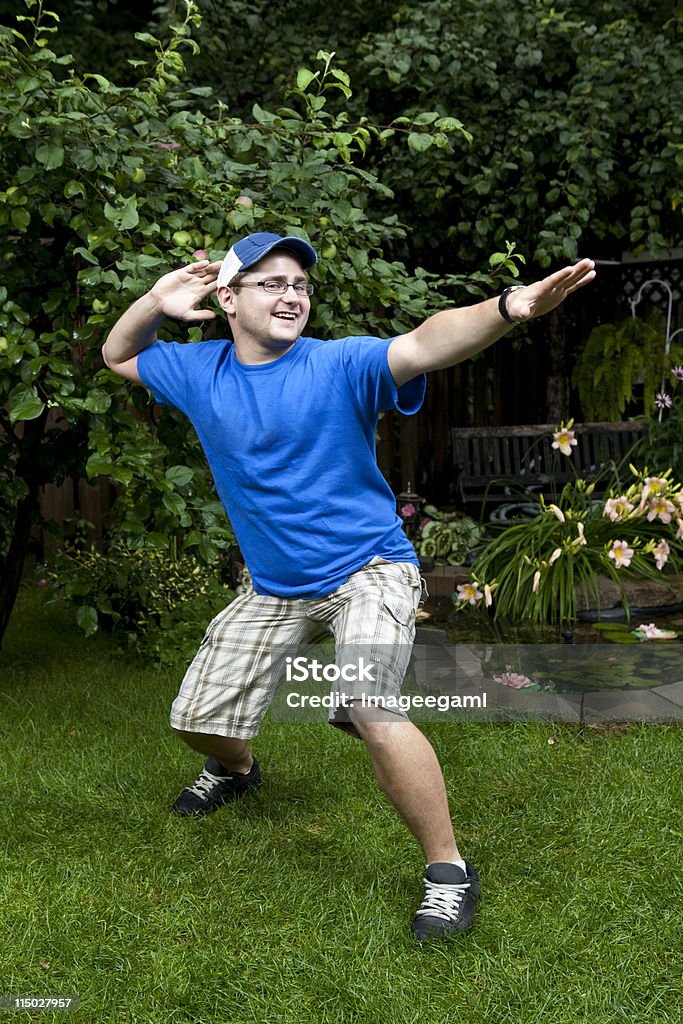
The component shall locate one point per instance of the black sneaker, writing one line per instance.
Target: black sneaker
(214, 787)
(449, 903)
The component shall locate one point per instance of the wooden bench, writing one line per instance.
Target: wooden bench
(507, 466)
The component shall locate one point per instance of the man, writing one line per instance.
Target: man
(287, 423)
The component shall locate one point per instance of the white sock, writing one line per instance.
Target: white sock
(459, 863)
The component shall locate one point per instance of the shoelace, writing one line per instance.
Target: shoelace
(442, 900)
(205, 783)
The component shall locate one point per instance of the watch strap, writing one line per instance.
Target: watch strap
(502, 304)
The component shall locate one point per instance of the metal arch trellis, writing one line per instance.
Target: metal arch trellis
(669, 309)
(669, 335)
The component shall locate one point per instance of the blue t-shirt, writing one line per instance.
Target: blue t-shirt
(291, 446)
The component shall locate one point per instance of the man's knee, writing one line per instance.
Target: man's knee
(376, 725)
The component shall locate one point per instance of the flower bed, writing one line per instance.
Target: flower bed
(534, 567)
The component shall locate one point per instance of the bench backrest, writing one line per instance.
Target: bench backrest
(498, 464)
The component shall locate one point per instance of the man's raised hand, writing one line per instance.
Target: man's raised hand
(539, 298)
(179, 293)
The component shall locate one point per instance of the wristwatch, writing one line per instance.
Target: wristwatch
(503, 307)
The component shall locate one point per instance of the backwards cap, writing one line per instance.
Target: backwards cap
(253, 248)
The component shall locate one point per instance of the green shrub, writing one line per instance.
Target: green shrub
(155, 606)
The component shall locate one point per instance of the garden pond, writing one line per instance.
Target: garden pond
(607, 655)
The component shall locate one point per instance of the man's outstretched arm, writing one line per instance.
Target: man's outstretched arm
(453, 335)
(174, 295)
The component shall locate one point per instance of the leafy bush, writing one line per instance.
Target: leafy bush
(155, 606)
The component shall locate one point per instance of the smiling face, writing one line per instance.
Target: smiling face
(266, 326)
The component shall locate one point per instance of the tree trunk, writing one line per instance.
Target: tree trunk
(12, 565)
(34, 467)
(556, 394)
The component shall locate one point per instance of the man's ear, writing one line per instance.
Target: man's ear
(226, 299)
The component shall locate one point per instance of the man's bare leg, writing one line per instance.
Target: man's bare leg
(408, 772)
(234, 755)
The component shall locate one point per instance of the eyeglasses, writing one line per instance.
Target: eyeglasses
(274, 287)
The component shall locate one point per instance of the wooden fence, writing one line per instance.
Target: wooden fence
(71, 503)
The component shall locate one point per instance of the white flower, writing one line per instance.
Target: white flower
(469, 592)
(617, 508)
(516, 680)
(537, 580)
(564, 440)
(662, 508)
(621, 553)
(579, 541)
(653, 485)
(661, 553)
(651, 632)
(558, 512)
(555, 555)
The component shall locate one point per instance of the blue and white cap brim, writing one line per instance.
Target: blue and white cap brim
(257, 250)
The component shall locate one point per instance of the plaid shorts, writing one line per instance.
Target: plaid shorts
(231, 682)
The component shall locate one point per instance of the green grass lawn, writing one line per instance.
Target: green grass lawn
(294, 906)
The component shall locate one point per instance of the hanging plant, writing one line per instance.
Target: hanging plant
(617, 358)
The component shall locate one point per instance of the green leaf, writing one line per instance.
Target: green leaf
(124, 217)
(174, 503)
(86, 617)
(97, 401)
(26, 406)
(98, 465)
(428, 117)
(145, 37)
(261, 115)
(86, 254)
(304, 77)
(129, 214)
(50, 155)
(207, 550)
(419, 142)
(20, 218)
(73, 188)
(180, 476)
(341, 76)
(104, 83)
